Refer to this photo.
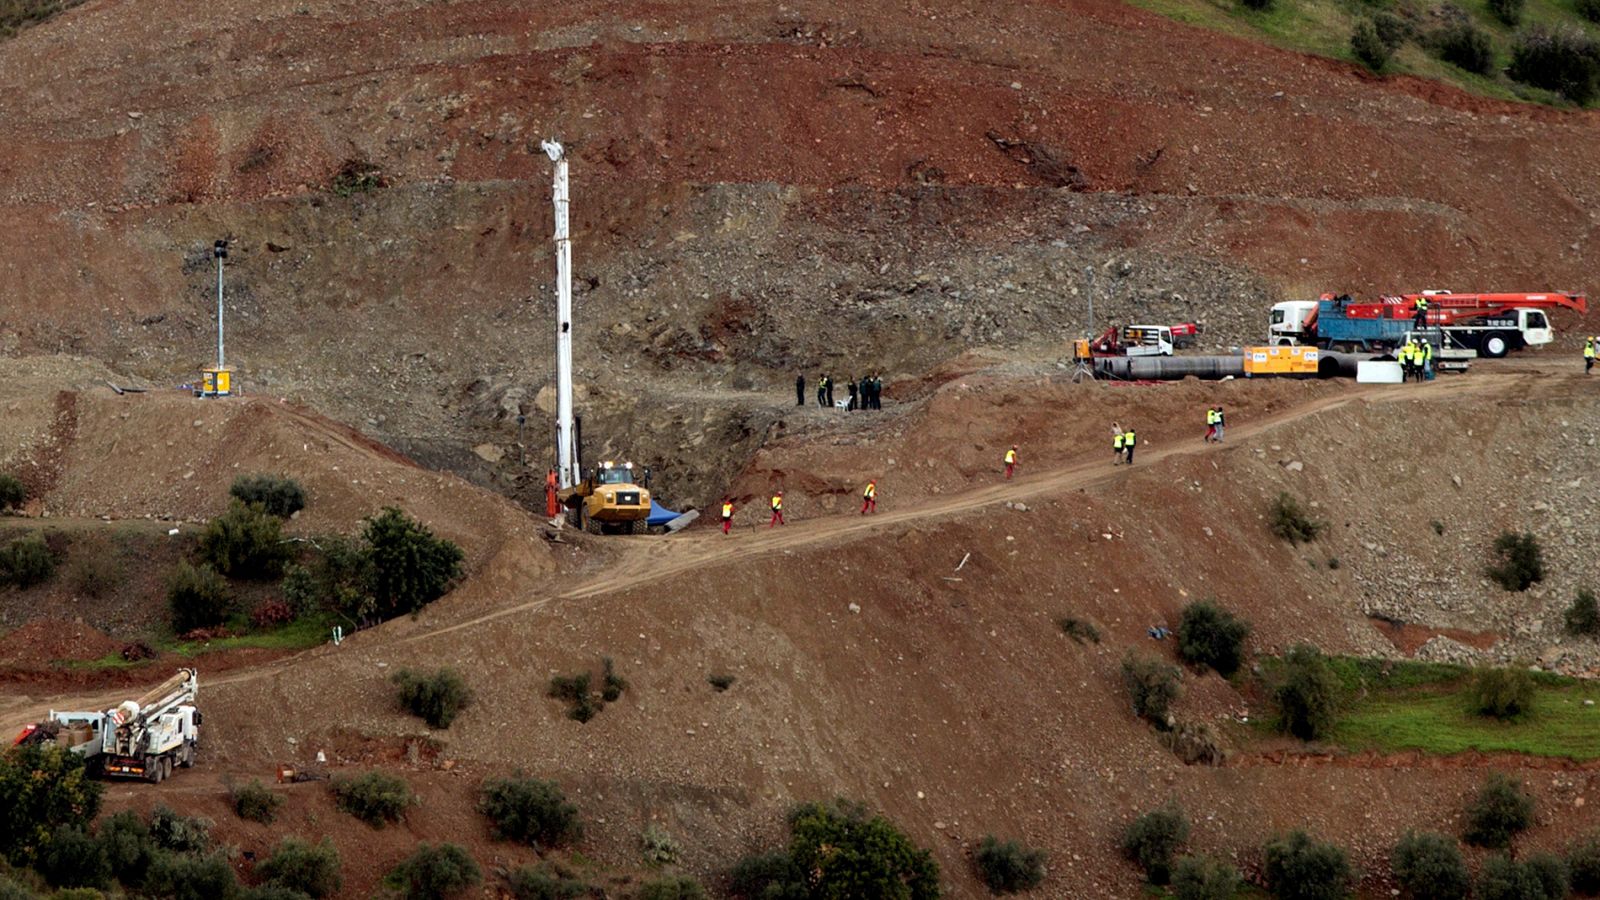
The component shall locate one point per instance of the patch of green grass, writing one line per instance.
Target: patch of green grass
(1323, 27)
(297, 635)
(1391, 706)
(1443, 722)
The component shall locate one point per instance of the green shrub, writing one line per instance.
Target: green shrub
(1501, 810)
(1469, 47)
(1430, 867)
(1080, 630)
(95, 574)
(434, 873)
(1502, 693)
(1521, 561)
(1209, 635)
(245, 542)
(839, 850)
(1204, 878)
(1257, 5)
(12, 493)
(529, 811)
(1589, 9)
(311, 869)
(1300, 868)
(1392, 29)
(178, 833)
(437, 698)
(1195, 742)
(1368, 47)
(1153, 687)
(1507, 11)
(1007, 867)
(1288, 521)
(74, 858)
(1153, 839)
(575, 690)
(1583, 864)
(375, 798)
(410, 567)
(1552, 875)
(12, 888)
(256, 802)
(660, 849)
(356, 176)
(185, 876)
(129, 846)
(613, 684)
(529, 883)
(1583, 616)
(672, 887)
(338, 578)
(42, 788)
(278, 495)
(26, 561)
(198, 598)
(1541, 877)
(1306, 693)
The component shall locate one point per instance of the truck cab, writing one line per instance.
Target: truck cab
(1289, 322)
(1148, 340)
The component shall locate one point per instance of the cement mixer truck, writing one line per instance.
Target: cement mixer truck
(144, 738)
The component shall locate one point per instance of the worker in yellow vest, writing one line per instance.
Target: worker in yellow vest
(1128, 440)
(1407, 355)
(869, 498)
(777, 509)
(1211, 424)
(1427, 361)
(1116, 446)
(1011, 460)
(1421, 305)
(727, 515)
(1588, 354)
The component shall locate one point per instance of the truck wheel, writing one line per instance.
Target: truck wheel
(593, 525)
(152, 771)
(187, 759)
(1494, 345)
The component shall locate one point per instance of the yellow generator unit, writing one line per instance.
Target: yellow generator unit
(215, 383)
(1293, 361)
(610, 502)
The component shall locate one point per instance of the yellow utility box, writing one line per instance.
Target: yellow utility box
(216, 382)
(1294, 360)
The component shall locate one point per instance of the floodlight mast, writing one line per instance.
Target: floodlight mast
(566, 445)
(220, 251)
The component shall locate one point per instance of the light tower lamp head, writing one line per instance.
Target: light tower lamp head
(220, 249)
(552, 149)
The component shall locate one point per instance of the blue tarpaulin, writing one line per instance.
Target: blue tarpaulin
(660, 515)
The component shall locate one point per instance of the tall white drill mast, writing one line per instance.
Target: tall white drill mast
(566, 445)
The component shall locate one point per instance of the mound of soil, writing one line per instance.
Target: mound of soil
(38, 644)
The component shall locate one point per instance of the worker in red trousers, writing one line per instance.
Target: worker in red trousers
(869, 498)
(1011, 460)
(727, 515)
(777, 509)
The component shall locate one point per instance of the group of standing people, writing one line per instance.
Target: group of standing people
(1215, 424)
(1416, 360)
(865, 393)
